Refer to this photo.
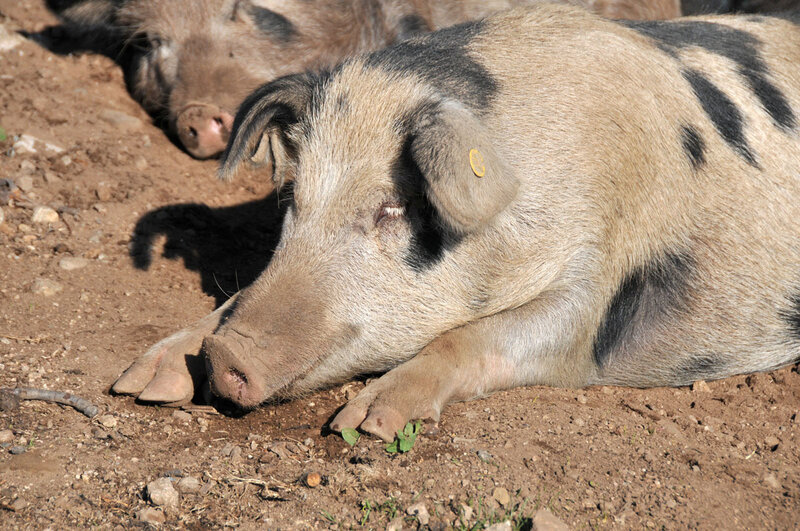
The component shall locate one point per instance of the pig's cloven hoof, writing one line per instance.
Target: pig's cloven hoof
(385, 406)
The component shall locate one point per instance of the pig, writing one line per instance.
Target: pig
(196, 60)
(544, 197)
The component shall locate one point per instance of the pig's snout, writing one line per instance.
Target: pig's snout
(204, 129)
(231, 371)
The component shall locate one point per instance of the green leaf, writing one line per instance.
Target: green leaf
(392, 447)
(350, 436)
(3, 135)
(405, 438)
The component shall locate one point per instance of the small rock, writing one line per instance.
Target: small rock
(772, 482)
(109, 421)
(25, 182)
(772, 443)
(162, 493)
(18, 505)
(700, 386)
(501, 495)
(581, 399)
(589, 504)
(189, 484)
(71, 263)
(313, 479)
(544, 520)
(183, 416)
(26, 167)
(103, 193)
(420, 511)
(2, 216)
(395, 525)
(140, 163)
(150, 515)
(6, 436)
(45, 287)
(484, 456)
(124, 122)
(9, 39)
(25, 144)
(236, 453)
(227, 449)
(502, 526)
(466, 513)
(44, 214)
(51, 178)
(16, 450)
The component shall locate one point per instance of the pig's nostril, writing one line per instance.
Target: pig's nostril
(218, 121)
(238, 376)
(193, 132)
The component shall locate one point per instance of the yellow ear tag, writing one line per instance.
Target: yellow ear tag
(476, 162)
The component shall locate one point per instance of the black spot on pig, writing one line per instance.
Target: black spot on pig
(736, 45)
(705, 367)
(726, 117)
(703, 7)
(442, 59)
(693, 145)
(644, 297)
(792, 315)
(275, 25)
(411, 26)
(430, 237)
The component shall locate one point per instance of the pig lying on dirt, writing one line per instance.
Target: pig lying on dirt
(198, 59)
(470, 214)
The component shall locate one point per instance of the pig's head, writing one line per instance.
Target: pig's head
(196, 60)
(392, 188)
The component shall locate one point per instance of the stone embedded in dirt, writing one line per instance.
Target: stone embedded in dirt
(45, 287)
(6, 436)
(150, 515)
(182, 416)
(109, 421)
(25, 144)
(466, 513)
(161, 492)
(16, 450)
(279, 449)
(189, 484)
(501, 495)
(227, 449)
(71, 263)
(140, 163)
(544, 520)
(2, 216)
(484, 456)
(420, 511)
(700, 386)
(99, 433)
(9, 39)
(772, 482)
(395, 525)
(120, 120)
(44, 214)
(772, 443)
(103, 192)
(500, 526)
(25, 182)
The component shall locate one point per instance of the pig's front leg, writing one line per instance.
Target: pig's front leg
(170, 371)
(535, 344)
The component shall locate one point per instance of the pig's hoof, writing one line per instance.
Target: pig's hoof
(383, 412)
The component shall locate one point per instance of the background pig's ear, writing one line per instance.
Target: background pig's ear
(259, 130)
(467, 181)
(86, 13)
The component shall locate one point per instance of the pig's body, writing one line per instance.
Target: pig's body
(637, 222)
(196, 60)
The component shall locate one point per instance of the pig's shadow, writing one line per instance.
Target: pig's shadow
(229, 246)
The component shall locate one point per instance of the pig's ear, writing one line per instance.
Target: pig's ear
(86, 13)
(259, 131)
(467, 180)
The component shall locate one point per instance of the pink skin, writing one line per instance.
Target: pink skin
(204, 129)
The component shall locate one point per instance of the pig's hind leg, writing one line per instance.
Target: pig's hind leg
(171, 369)
(539, 343)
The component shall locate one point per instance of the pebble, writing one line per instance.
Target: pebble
(2, 216)
(123, 121)
(162, 493)
(45, 287)
(484, 456)
(44, 214)
(466, 512)
(109, 421)
(16, 450)
(700, 386)
(71, 263)
(9, 39)
(99, 433)
(502, 526)
(6, 436)
(501, 495)
(103, 193)
(25, 182)
(313, 479)
(395, 525)
(772, 481)
(772, 443)
(544, 520)
(27, 167)
(140, 163)
(151, 516)
(189, 484)
(581, 399)
(420, 511)
(18, 505)
(183, 416)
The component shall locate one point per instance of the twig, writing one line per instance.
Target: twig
(34, 340)
(9, 399)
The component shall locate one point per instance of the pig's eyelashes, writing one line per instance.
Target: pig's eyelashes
(390, 210)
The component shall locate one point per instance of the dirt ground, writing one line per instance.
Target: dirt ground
(146, 240)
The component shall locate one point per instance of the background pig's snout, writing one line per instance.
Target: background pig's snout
(204, 129)
(231, 375)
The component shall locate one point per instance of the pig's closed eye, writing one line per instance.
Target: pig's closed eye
(390, 210)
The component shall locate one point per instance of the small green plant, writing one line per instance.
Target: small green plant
(3, 134)
(350, 436)
(366, 509)
(405, 438)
